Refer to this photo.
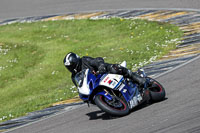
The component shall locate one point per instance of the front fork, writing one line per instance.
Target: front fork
(106, 94)
(111, 97)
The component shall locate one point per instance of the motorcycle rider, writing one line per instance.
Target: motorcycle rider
(97, 65)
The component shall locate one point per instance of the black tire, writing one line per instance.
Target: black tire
(157, 91)
(104, 105)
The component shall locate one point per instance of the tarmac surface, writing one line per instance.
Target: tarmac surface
(179, 113)
(10, 9)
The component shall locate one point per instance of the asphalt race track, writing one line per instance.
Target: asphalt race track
(179, 113)
(10, 9)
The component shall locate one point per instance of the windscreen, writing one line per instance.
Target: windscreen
(79, 77)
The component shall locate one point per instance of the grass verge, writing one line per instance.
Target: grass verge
(32, 74)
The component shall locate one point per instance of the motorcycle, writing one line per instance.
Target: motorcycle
(115, 94)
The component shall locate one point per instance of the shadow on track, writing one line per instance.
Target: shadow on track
(105, 116)
(100, 115)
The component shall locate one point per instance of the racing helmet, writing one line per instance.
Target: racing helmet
(71, 62)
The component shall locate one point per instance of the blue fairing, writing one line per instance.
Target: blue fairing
(128, 90)
(93, 82)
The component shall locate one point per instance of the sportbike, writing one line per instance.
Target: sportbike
(115, 94)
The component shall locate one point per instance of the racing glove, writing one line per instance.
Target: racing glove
(102, 69)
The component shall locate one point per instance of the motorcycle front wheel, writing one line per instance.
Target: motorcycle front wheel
(116, 106)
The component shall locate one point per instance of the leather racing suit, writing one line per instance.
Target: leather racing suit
(98, 65)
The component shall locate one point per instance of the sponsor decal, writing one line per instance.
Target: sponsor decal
(106, 79)
(110, 81)
(135, 101)
(114, 83)
(121, 87)
(125, 90)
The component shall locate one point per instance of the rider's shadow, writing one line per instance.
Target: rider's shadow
(105, 116)
(100, 115)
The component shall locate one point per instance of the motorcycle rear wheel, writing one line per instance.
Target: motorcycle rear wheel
(157, 91)
(116, 107)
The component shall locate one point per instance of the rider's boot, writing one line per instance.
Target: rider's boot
(137, 78)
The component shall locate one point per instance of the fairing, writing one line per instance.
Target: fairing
(91, 82)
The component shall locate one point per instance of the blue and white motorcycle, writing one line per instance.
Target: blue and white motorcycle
(115, 94)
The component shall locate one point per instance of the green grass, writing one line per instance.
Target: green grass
(32, 74)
